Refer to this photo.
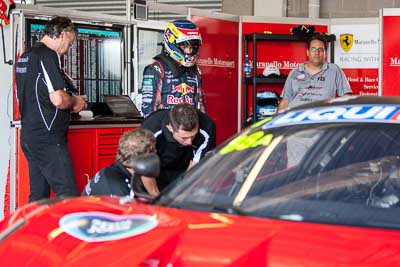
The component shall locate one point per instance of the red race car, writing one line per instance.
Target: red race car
(315, 186)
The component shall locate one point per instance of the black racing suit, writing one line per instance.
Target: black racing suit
(113, 180)
(166, 84)
(175, 158)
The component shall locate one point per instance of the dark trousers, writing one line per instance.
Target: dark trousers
(50, 166)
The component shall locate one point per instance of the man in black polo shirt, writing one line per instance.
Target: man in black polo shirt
(45, 108)
(184, 135)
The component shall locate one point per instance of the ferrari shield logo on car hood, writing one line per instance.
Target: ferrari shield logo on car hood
(102, 226)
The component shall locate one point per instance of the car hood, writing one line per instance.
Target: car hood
(136, 234)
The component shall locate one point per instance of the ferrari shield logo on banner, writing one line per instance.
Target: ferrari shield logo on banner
(346, 41)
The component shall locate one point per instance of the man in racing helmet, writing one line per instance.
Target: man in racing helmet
(174, 77)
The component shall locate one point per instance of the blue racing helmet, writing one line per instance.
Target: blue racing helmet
(267, 103)
(178, 33)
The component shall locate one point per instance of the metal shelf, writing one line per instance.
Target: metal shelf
(256, 37)
(281, 37)
(264, 80)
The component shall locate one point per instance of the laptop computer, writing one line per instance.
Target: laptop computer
(122, 106)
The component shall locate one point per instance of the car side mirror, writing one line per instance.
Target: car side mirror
(146, 165)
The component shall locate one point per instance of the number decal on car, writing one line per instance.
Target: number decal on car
(245, 141)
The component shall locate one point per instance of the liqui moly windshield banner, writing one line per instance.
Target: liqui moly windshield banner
(390, 73)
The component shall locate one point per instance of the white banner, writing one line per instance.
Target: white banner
(356, 46)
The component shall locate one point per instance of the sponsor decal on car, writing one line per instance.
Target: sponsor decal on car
(372, 113)
(102, 226)
(245, 141)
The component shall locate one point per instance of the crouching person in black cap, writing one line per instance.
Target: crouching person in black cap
(115, 180)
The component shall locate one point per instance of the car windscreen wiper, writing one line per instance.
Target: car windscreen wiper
(210, 207)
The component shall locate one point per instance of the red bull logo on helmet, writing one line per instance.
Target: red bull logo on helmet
(189, 32)
(170, 37)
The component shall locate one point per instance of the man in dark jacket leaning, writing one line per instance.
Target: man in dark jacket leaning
(184, 135)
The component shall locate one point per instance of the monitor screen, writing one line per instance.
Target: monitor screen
(122, 106)
(94, 62)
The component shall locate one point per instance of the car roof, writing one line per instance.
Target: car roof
(351, 100)
(363, 109)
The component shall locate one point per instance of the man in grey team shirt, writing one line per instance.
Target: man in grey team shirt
(315, 79)
(311, 81)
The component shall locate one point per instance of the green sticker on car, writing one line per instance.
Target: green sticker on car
(244, 141)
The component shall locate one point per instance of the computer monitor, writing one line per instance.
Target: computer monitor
(94, 62)
(122, 106)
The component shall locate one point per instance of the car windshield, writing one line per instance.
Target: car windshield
(337, 173)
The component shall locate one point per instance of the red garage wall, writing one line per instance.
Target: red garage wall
(218, 61)
(390, 56)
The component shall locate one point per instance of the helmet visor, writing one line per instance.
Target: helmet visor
(267, 102)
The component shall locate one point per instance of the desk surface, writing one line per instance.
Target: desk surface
(105, 120)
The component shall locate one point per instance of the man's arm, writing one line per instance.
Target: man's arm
(56, 82)
(200, 93)
(287, 91)
(62, 100)
(151, 88)
(208, 131)
(342, 84)
(283, 104)
(150, 185)
(212, 142)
